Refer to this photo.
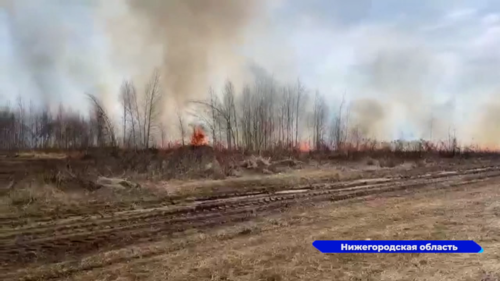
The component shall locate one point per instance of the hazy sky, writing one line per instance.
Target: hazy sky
(337, 44)
(444, 53)
(439, 58)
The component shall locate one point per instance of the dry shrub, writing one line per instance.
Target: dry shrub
(388, 162)
(370, 161)
(285, 164)
(67, 178)
(420, 163)
(82, 168)
(230, 161)
(32, 195)
(192, 162)
(21, 197)
(176, 163)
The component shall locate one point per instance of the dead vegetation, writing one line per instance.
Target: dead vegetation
(279, 247)
(60, 208)
(267, 129)
(91, 181)
(85, 170)
(62, 167)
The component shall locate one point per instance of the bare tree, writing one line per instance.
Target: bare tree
(132, 132)
(20, 124)
(319, 120)
(246, 118)
(163, 134)
(228, 113)
(222, 115)
(214, 124)
(124, 96)
(151, 106)
(289, 104)
(264, 113)
(105, 129)
(7, 129)
(339, 128)
(182, 128)
(300, 103)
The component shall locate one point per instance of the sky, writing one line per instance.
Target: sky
(446, 53)
(422, 59)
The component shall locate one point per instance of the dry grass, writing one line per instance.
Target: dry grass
(42, 155)
(40, 194)
(32, 197)
(256, 182)
(280, 181)
(279, 247)
(78, 193)
(35, 197)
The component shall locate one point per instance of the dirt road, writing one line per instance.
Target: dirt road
(52, 247)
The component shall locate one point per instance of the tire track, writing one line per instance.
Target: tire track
(52, 247)
(242, 216)
(145, 218)
(99, 209)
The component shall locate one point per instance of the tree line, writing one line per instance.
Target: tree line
(261, 116)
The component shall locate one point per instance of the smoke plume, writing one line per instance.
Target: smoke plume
(67, 48)
(59, 50)
(399, 80)
(56, 55)
(195, 36)
(486, 129)
(368, 117)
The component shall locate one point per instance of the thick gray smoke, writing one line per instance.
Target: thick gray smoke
(67, 48)
(193, 43)
(399, 80)
(55, 59)
(486, 126)
(369, 118)
(195, 35)
(60, 50)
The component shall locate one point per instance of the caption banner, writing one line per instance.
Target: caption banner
(397, 246)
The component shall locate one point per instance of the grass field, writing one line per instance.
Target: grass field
(279, 247)
(251, 228)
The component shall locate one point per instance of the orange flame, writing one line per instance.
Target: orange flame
(304, 147)
(198, 138)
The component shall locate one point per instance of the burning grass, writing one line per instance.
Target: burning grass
(198, 138)
(201, 161)
(199, 169)
(87, 184)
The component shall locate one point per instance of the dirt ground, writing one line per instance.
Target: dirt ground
(254, 227)
(279, 247)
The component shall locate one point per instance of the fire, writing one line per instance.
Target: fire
(304, 147)
(198, 138)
